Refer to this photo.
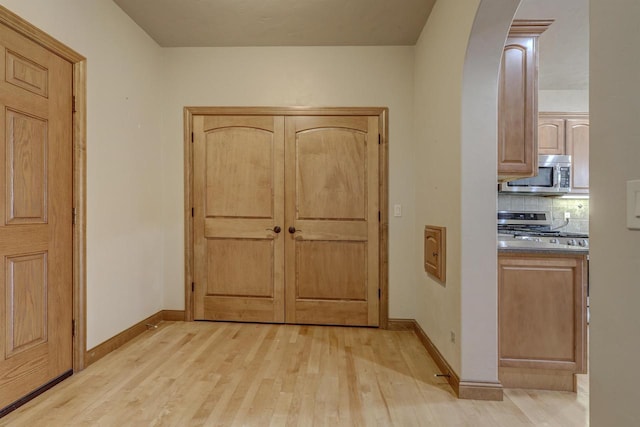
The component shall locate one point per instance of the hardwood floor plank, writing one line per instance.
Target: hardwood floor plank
(232, 374)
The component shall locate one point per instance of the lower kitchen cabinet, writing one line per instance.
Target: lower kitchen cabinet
(542, 318)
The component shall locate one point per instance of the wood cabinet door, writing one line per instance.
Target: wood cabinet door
(542, 312)
(551, 136)
(238, 172)
(578, 149)
(36, 149)
(517, 108)
(332, 220)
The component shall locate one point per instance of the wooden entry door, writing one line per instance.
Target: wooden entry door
(321, 254)
(35, 217)
(238, 169)
(332, 220)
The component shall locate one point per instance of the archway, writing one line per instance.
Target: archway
(479, 301)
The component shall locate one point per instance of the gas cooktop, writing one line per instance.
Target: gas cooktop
(536, 226)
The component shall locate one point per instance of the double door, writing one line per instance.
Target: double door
(286, 219)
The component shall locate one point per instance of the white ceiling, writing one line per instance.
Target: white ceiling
(174, 23)
(564, 47)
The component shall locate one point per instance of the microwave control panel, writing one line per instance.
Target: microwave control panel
(565, 177)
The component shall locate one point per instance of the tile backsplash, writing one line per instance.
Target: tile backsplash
(578, 209)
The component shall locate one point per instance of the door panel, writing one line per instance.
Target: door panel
(27, 74)
(26, 168)
(331, 174)
(35, 216)
(227, 267)
(239, 192)
(238, 202)
(331, 270)
(332, 203)
(26, 320)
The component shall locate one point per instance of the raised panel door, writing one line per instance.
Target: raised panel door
(517, 107)
(551, 136)
(332, 220)
(518, 101)
(578, 149)
(541, 316)
(35, 217)
(238, 203)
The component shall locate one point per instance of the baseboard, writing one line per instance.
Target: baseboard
(101, 350)
(173, 315)
(474, 390)
(462, 389)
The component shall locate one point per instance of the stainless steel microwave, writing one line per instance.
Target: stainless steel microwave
(553, 178)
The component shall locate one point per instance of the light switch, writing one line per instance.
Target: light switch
(633, 205)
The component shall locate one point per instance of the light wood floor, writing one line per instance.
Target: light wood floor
(227, 374)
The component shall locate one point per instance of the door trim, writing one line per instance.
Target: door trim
(79, 62)
(381, 112)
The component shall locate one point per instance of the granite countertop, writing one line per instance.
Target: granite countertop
(539, 247)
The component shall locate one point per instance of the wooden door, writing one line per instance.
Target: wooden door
(35, 217)
(578, 149)
(551, 135)
(332, 220)
(238, 203)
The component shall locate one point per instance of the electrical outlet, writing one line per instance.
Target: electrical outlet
(453, 337)
(567, 215)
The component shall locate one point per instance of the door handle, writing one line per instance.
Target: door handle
(275, 229)
(292, 230)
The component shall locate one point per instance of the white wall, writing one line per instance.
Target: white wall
(124, 220)
(615, 250)
(294, 76)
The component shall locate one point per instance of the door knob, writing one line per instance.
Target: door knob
(292, 229)
(275, 229)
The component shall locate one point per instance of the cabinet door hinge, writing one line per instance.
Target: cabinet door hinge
(379, 139)
(193, 287)
(191, 136)
(379, 216)
(192, 212)
(73, 104)
(379, 293)
(74, 216)
(73, 327)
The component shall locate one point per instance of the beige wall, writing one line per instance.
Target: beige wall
(615, 250)
(440, 54)
(124, 228)
(293, 76)
(573, 101)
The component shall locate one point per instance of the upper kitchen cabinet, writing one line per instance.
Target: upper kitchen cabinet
(518, 101)
(567, 133)
(578, 149)
(551, 135)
